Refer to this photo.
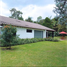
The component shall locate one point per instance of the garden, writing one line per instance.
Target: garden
(31, 52)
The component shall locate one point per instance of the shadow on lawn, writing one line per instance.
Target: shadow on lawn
(3, 48)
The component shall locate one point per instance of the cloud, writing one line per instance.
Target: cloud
(31, 10)
(4, 11)
(34, 11)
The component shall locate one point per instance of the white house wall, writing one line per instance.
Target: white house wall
(0, 29)
(23, 34)
(44, 34)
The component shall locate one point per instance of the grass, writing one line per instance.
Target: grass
(44, 53)
(58, 37)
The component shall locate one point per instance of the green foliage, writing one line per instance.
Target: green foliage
(20, 18)
(39, 18)
(16, 14)
(51, 39)
(63, 27)
(47, 22)
(1, 42)
(29, 19)
(18, 41)
(48, 39)
(61, 12)
(55, 22)
(0, 36)
(8, 36)
(56, 40)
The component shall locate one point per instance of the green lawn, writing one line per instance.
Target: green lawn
(36, 54)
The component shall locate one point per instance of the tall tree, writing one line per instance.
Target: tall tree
(13, 13)
(61, 11)
(39, 18)
(16, 14)
(29, 19)
(55, 23)
(48, 22)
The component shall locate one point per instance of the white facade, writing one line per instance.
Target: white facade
(44, 34)
(22, 32)
(0, 29)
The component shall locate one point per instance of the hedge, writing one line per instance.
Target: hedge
(19, 41)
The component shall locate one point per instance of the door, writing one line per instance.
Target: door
(38, 34)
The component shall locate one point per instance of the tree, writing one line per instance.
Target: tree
(39, 18)
(16, 14)
(55, 23)
(47, 22)
(61, 11)
(35, 21)
(9, 33)
(29, 19)
(20, 18)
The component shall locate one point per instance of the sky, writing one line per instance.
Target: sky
(29, 8)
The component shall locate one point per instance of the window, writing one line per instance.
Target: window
(28, 30)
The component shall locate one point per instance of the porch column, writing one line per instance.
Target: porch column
(46, 34)
(52, 33)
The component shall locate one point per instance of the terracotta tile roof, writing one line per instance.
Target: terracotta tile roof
(15, 22)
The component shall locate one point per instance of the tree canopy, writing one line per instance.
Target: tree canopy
(47, 22)
(29, 19)
(61, 13)
(39, 18)
(16, 14)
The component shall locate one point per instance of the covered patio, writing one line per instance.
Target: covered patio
(50, 34)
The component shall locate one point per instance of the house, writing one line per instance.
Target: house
(26, 29)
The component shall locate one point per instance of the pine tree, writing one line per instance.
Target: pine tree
(8, 36)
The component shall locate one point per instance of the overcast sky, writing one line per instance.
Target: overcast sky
(29, 8)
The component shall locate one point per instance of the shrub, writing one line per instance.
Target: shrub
(33, 40)
(55, 40)
(17, 41)
(8, 36)
(0, 36)
(51, 39)
(0, 43)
